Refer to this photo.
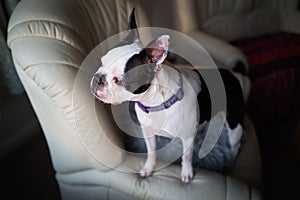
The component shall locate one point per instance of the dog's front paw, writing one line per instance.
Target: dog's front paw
(145, 172)
(147, 169)
(186, 173)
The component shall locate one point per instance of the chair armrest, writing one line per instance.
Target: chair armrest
(224, 54)
(245, 84)
(291, 22)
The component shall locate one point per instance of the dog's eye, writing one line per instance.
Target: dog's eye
(118, 81)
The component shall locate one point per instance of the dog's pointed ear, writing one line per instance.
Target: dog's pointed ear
(157, 50)
(132, 33)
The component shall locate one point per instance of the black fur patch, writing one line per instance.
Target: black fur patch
(234, 97)
(138, 74)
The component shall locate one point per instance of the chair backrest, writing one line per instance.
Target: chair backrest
(49, 40)
(232, 19)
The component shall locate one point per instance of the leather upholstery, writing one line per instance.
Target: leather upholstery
(49, 41)
(231, 19)
(213, 22)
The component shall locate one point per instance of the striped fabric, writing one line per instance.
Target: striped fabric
(274, 68)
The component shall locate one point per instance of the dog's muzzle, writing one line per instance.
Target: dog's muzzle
(98, 83)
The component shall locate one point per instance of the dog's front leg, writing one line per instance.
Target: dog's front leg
(186, 165)
(148, 167)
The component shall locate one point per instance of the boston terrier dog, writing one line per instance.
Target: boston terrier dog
(169, 102)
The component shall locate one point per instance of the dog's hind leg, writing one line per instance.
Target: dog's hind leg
(235, 136)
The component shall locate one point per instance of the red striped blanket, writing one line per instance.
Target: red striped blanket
(274, 68)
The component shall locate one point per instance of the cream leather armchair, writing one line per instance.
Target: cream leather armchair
(49, 41)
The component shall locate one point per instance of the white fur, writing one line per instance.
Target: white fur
(117, 57)
(113, 64)
(235, 136)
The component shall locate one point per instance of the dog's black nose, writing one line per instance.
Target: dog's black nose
(102, 80)
(98, 80)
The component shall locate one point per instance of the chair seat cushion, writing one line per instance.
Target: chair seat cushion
(274, 68)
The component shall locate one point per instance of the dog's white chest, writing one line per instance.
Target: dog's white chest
(163, 123)
(178, 120)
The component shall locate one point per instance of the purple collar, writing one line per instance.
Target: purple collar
(176, 97)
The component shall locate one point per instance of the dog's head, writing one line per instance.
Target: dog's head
(128, 69)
